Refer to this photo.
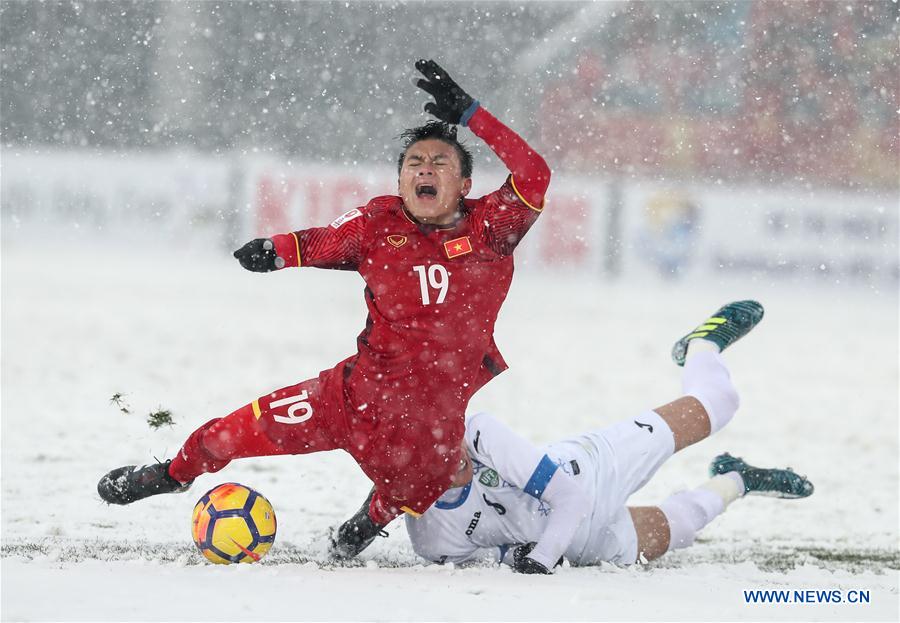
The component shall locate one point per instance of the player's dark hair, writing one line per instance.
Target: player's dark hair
(442, 132)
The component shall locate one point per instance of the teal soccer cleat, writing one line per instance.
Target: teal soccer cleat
(732, 322)
(777, 483)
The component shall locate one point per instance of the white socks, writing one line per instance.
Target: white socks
(706, 378)
(688, 512)
(729, 486)
(699, 345)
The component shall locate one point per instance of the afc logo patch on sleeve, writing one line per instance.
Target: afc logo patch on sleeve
(343, 218)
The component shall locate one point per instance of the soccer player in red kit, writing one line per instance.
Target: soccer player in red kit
(437, 269)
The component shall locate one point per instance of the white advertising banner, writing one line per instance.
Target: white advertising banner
(627, 229)
(174, 194)
(685, 231)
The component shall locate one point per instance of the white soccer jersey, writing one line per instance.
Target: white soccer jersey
(515, 497)
(568, 496)
(518, 494)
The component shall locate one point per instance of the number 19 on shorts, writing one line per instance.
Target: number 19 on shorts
(433, 278)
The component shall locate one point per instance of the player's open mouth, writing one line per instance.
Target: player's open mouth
(426, 190)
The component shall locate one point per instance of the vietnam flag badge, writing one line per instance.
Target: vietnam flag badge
(459, 246)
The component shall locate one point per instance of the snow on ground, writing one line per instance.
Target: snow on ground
(192, 332)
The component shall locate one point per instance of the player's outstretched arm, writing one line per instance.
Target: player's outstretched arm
(337, 246)
(530, 173)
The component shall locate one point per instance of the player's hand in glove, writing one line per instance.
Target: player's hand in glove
(451, 103)
(259, 256)
(522, 563)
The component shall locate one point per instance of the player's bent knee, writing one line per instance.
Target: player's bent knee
(652, 529)
(687, 419)
(236, 436)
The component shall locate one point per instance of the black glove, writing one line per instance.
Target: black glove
(450, 101)
(523, 564)
(259, 256)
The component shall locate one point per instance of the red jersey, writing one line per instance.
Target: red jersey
(433, 294)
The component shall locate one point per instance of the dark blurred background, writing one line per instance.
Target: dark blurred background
(766, 91)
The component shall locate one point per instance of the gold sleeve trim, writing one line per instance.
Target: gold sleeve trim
(256, 410)
(410, 511)
(512, 181)
(297, 241)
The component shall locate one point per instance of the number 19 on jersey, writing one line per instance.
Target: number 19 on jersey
(433, 277)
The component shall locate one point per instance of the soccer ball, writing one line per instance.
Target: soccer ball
(233, 523)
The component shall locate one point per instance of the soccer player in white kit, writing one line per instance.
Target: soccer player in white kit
(529, 507)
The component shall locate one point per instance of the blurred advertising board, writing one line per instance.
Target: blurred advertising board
(172, 195)
(688, 231)
(617, 228)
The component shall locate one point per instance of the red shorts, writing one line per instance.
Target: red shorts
(409, 462)
(302, 418)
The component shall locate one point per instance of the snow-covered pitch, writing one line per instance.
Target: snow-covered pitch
(87, 318)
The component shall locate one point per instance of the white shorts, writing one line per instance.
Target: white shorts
(628, 454)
